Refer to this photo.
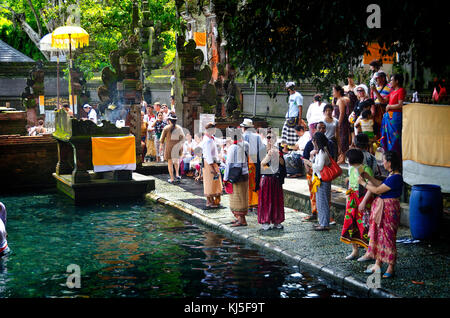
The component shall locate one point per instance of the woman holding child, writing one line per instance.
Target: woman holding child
(391, 126)
(385, 214)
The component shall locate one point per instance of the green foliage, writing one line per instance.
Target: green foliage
(321, 41)
(19, 40)
(107, 22)
(13, 35)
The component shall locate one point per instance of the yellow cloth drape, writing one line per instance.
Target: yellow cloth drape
(426, 134)
(111, 151)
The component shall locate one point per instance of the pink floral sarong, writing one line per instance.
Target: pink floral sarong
(383, 236)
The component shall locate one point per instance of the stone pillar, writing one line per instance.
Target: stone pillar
(198, 94)
(34, 89)
(65, 158)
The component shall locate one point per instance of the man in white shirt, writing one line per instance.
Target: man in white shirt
(212, 181)
(91, 113)
(257, 152)
(293, 115)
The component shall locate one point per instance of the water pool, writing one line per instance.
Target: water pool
(134, 250)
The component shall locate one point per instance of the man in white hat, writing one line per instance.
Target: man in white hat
(91, 113)
(257, 151)
(293, 115)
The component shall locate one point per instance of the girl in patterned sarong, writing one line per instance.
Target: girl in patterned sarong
(356, 226)
(385, 214)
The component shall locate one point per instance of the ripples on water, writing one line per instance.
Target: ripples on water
(140, 250)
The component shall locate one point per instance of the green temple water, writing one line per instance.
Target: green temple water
(133, 250)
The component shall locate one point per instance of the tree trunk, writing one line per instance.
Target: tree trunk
(33, 35)
(38, 22)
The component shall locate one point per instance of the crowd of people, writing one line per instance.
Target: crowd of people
(360, 120)
(251, 165)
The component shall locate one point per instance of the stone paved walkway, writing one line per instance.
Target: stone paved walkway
(422, 270)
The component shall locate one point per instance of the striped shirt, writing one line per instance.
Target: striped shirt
(384, 91)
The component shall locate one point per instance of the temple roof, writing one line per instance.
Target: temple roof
(10, 54)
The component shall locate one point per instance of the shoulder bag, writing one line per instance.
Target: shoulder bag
(235, 173)
(330, 172)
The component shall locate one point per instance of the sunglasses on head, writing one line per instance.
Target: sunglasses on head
(360, 91)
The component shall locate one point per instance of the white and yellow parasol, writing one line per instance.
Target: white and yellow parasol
(73, 36)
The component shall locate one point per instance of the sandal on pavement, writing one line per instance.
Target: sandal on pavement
(238, 224)
(372, 270)
(321, 228)
(351, 257)
(388, 275)
(364, 259)
(310, 218)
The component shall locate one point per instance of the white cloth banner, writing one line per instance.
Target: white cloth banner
(129, 166)
(417, 173)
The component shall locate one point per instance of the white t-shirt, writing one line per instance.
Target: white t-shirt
(186, 150)
(331, 128)
(92, 115)
(295, 100)
(209, 148)
(315, 113)
(302, 141)
(319, 161)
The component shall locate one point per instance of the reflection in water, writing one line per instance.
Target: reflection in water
(126, 250)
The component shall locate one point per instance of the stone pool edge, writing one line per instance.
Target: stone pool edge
(338, 277)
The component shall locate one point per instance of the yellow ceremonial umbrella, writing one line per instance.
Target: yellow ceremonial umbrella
(72, 35)
(45, 44)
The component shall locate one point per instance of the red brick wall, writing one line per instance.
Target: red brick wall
(27, 162)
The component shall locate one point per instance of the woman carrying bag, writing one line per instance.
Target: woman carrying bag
(325, 170)
(236, 174)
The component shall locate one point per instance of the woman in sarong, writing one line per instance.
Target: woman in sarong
(212, 180)
(172, 139)
(385, 214)
(391, 126)
(271, 199)
(343, 106)
(236, 158)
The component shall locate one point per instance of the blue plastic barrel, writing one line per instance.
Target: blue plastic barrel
(425, 211)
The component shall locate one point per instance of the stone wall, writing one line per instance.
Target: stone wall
(13, 123)
(273, 109)
(26, 162)
(13, 80)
